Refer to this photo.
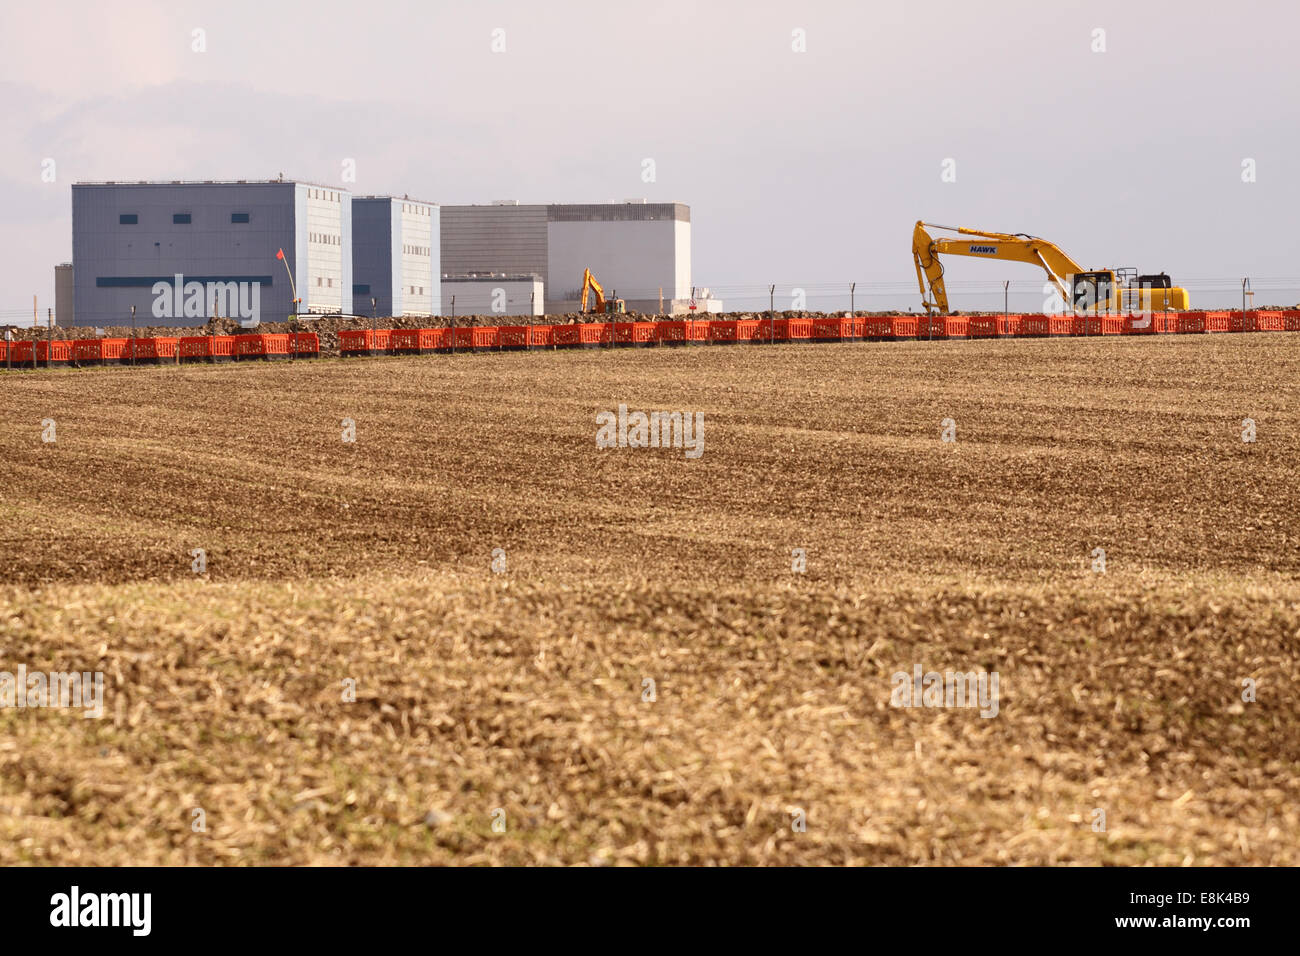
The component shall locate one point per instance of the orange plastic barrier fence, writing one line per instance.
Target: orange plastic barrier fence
(993, 326)
(207, 348)
(58, 352)
(594, 333)
(1039, 325)
(365, 341)
(1291, 320)
(416, 341)
(721, 331)
(792, 330)
(832, 329)
(98, 351)
(943, 326)
(887, 326)
(275, 345)
(1224, 322)
(1264, 321)
(304, 343)
(151, 350)
(634, 333)
(512, 337)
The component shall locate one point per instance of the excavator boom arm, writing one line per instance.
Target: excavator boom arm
(589, 283)
(996, 245)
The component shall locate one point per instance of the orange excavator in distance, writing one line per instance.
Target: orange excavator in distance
(590, 285)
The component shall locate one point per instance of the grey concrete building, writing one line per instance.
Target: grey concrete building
(493, 295)
(637, 249)
(395, 253)
(64, 300)
(178, 251)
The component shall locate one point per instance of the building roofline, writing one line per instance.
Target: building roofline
(425, 202)
(211, 182)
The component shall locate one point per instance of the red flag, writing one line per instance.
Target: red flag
(279, 254)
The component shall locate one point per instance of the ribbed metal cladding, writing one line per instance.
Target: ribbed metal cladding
(493, 239)
(618, 212)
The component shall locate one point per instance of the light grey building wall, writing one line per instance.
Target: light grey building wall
(494, 295)
(637, 248)
(64, 300)
(395, 256)
(132, 243)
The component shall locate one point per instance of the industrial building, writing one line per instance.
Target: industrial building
(64, 312)
(640, 251)
(493, 295)
(395, 253)
(180, 251)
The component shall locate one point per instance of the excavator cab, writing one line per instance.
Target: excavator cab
(1092, 291)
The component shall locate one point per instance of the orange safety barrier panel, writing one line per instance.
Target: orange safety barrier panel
(1039, 325)
(634, 333)
(304, 343)
(993, 326)
(832, 329)
(1186, 323)
(672, 332)
(485, 336)
(1224, 322)
(462, 338)
(1151, 323)
(750, 330)
(1101, 324)
(98, 351)
(793, 330)
(565, 336)
(1291, 320)
(58, 352)
(1265, 321)
(365, 341)
(592, 334)
(265, 346)
(207, 348)
(512, 338)
(541, 336)
(887, 326)
(721, 331)
(943, 326)
(22, 353)
(151, 350)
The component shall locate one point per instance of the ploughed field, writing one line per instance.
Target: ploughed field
(497, 593)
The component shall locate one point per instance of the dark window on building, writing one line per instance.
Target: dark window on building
(239, 217)
(128, 219)
(360, 289)
(180, 219)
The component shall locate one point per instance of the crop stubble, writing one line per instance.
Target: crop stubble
(522, 691)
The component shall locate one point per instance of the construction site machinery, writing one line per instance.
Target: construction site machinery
(1083, 290)
(590, 285)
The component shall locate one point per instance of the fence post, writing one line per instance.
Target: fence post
(771, 314)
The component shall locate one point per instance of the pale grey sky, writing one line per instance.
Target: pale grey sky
(801, 168)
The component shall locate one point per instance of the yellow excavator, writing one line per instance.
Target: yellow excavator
(1097, 290)
(590, 285)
